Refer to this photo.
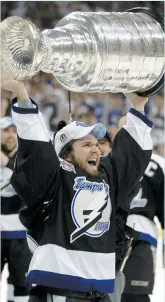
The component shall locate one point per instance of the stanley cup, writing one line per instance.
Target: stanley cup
(116, 52)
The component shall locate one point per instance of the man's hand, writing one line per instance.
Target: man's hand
(17, 87)
(137, 102)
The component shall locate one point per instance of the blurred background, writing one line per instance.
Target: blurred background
(52, 98)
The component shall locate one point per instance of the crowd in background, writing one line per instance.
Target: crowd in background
(46, 14)
(52, 98)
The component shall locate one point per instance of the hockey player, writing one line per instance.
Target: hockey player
(148, 202)
(14, 249)
(70, 201)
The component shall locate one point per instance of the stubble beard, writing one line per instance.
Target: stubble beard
(80, 165)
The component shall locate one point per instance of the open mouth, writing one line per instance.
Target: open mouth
(92, 162)
(92, 166)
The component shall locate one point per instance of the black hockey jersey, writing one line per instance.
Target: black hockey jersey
(149, 201)
(70, 215)
(11, 227)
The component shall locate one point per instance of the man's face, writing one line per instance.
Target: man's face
(104, 146)
(86, 154)
(9, 138)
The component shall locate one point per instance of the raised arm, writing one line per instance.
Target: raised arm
(37, 165)
(132, 148)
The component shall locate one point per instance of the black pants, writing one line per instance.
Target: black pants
(39, 293)
(43, 298)
(139, 270)
(38, 298)
(135, 298)
(15, 252)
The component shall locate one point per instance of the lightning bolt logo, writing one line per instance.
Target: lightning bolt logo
(91, 217)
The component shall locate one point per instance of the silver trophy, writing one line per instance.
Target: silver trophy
(116, 52)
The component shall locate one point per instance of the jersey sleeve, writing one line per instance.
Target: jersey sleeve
(155, 176)
(36, 166)
(131, 152)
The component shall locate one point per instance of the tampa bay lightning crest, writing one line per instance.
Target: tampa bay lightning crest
(90, 209)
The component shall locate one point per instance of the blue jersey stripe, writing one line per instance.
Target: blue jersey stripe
(148, 238)
(142, 117)
(13, 234)
(70, 282)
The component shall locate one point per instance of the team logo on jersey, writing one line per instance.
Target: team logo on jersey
(138, 201)
(90, 209)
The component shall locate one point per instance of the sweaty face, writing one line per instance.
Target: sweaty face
(9, 139)
(86, 154)
(104, 146)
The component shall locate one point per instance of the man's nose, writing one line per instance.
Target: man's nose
(11, 135)
(95, 149)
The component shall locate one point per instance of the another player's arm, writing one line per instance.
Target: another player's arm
(132, 148)
(155, 175)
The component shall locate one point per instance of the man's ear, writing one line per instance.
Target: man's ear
(69, 157)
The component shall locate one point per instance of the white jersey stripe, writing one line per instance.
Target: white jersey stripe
(76, 263)
(142, 224)
(139, 131)
(32, 128)
(11, 222)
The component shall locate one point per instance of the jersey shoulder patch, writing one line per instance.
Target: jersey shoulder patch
(65, 165)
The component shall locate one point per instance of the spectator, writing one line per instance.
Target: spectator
(5, 104)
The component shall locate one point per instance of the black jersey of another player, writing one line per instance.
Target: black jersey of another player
(149, 201)
(11, 227)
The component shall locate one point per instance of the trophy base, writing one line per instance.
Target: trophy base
(153, 90)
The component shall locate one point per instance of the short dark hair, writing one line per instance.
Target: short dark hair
(66, 150)
(109, 138)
